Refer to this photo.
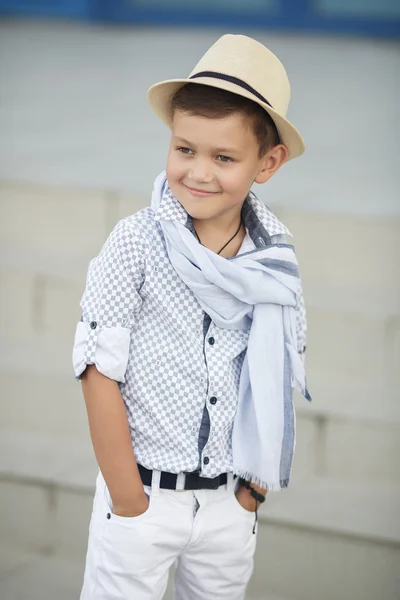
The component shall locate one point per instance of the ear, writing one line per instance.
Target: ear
(271, 162)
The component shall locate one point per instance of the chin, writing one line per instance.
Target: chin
(196, 213)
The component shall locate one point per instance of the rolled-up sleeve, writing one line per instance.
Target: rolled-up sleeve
(111, 303)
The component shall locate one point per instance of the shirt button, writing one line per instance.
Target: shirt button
(93, 325)
(206, 460)
(213, 400)
(211, 341)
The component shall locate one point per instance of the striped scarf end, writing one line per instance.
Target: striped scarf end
(270, 487)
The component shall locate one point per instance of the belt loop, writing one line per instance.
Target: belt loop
(180, 482)
(155, 482)
(229, 482)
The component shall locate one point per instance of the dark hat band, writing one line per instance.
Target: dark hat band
(234, 80)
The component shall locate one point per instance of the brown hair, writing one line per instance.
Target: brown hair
(214, 103)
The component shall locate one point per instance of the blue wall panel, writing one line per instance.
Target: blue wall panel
(362, 9)
(370, 17)
(47, 8)
(376, 17)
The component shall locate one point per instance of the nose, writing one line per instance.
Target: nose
(201, 171)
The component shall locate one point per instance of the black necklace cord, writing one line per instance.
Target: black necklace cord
(228, 242)
(259, 499)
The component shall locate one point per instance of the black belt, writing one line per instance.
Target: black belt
(192, 480)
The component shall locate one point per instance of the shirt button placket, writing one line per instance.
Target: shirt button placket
(213, 399)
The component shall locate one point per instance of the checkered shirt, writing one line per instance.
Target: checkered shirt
(143, 327)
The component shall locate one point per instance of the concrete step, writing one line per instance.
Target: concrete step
(36, 282)
(41, 396)
(332, 539)
(62, 219)
(352, 354)
(323, 538)
(352, 358)
(354, 269)
(34, 576)
(347, 262)
(346, 430)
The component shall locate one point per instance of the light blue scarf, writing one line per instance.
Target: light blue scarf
(255, 291)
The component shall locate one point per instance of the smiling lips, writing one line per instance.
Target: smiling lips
(199, 193)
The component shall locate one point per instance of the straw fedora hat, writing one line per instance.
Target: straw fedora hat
(241, 65)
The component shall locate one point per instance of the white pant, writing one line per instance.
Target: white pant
(206, 533)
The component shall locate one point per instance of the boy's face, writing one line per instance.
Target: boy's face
(212, 164)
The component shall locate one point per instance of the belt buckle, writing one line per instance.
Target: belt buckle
(179, 478)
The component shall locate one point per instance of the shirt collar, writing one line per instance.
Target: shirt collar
(259, 220)
(256, 213)
(170, 209)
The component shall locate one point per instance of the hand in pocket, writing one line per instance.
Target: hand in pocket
(137, 508)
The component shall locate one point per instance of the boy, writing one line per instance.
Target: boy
(190, 340)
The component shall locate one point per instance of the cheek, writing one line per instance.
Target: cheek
(175, 161)
(234, 181)
(175, 167)
(170, 165)
(175, 174)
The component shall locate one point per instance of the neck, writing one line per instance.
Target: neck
(215, 236)
(223, 227)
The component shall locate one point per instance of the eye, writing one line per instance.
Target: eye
(184, 150)
(224, 159)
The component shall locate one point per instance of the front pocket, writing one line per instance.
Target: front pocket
(126, 521)
(241, 508)
(129, 544)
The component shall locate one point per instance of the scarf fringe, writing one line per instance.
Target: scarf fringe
(270, 487)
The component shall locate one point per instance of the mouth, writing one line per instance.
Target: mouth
(199, 193)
